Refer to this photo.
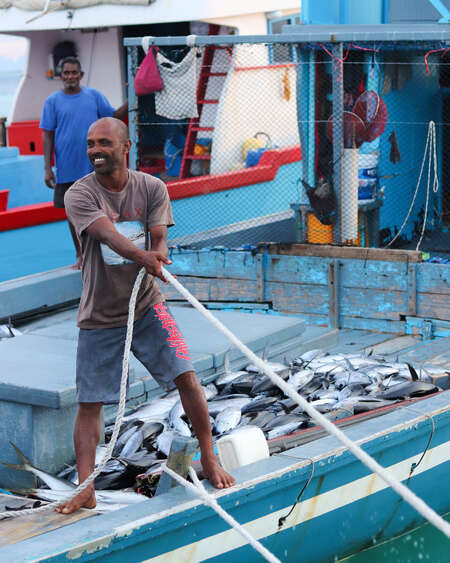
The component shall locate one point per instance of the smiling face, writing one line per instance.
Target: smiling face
(108, 146)
(71, 75)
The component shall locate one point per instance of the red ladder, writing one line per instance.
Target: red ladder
(194, 124)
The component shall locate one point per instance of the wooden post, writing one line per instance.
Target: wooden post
(333, 294)
(261, 261)
(180, 457)
(412, 290)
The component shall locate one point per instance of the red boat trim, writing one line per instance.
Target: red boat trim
(30, 215)
(267, 169)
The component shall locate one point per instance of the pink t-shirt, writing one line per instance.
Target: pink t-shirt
(107, 288)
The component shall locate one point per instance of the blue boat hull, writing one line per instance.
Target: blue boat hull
(344, 509)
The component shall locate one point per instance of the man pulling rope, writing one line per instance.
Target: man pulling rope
(96, 204)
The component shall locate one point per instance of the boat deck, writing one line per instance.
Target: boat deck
(39, 370)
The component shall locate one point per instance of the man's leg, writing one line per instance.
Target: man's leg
(86, 437)
(76, 242)
(195, 406)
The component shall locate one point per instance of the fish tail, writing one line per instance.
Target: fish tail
(25, 460)
(17, 466)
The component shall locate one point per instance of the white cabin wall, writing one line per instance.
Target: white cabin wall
(252, 101)
(252, 24)
(103, 67)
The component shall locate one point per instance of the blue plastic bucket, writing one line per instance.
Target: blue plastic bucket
(173, 153)
(367, 175)
(253, 157)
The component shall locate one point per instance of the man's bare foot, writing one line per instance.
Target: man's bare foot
(86, 499)
(77, 265)
(217, 475)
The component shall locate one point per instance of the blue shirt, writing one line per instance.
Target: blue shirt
(70, 116)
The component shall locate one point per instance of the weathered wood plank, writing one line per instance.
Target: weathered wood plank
(214, 263)
(427, 350)
(362, 303)
(433, 305)
(394, 345)
(329, 251)
(15, 530)
(433, 278)
(351, 340)
(378, 325)
(214, 289)
(353, 273)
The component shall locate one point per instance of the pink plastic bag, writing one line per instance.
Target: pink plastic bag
(147, 79)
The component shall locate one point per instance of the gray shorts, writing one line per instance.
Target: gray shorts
(59, 193)
(157, 344)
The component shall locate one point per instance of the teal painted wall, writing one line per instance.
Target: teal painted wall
(410, 110)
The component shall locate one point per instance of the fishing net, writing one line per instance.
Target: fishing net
(247, 144)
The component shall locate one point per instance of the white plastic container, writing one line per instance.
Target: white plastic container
(243, 446)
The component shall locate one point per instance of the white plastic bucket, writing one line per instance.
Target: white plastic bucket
(241, 447)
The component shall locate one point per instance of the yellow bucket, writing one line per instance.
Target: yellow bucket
(250, 144)
(318, 233)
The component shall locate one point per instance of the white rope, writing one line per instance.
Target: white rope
(431, 142)
(407, 495)
(118, 423)
(208, 499)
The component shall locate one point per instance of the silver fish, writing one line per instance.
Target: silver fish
(285, 429)
(157, 409)
(177, 411)
(133, 444)
(300, 378)
(181, 427)
(164, 441)
(229, 375)
(215, 407)
(227, 419)
(123, 439)
(209, 391)
(51, 481)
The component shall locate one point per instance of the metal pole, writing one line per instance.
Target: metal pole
(132, 58)
(338, 138)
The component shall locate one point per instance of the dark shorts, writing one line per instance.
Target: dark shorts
(58, 196)
(157, 344)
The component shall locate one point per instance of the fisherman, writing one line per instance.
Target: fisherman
(96, 204)
(66, 118)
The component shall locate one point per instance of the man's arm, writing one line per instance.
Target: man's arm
(48, 138)
(158, 238)
(103, 230)
(122, 111)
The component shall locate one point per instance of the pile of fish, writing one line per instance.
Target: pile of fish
(337, 385)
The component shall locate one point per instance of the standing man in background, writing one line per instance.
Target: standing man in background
(66, 118)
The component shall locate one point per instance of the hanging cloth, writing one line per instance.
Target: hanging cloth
(178, 98)
(148, 79)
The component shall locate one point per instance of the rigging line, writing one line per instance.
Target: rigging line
(199, 489)
(432, 156)
(431, 127)
(283, 519)
(417, 503)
